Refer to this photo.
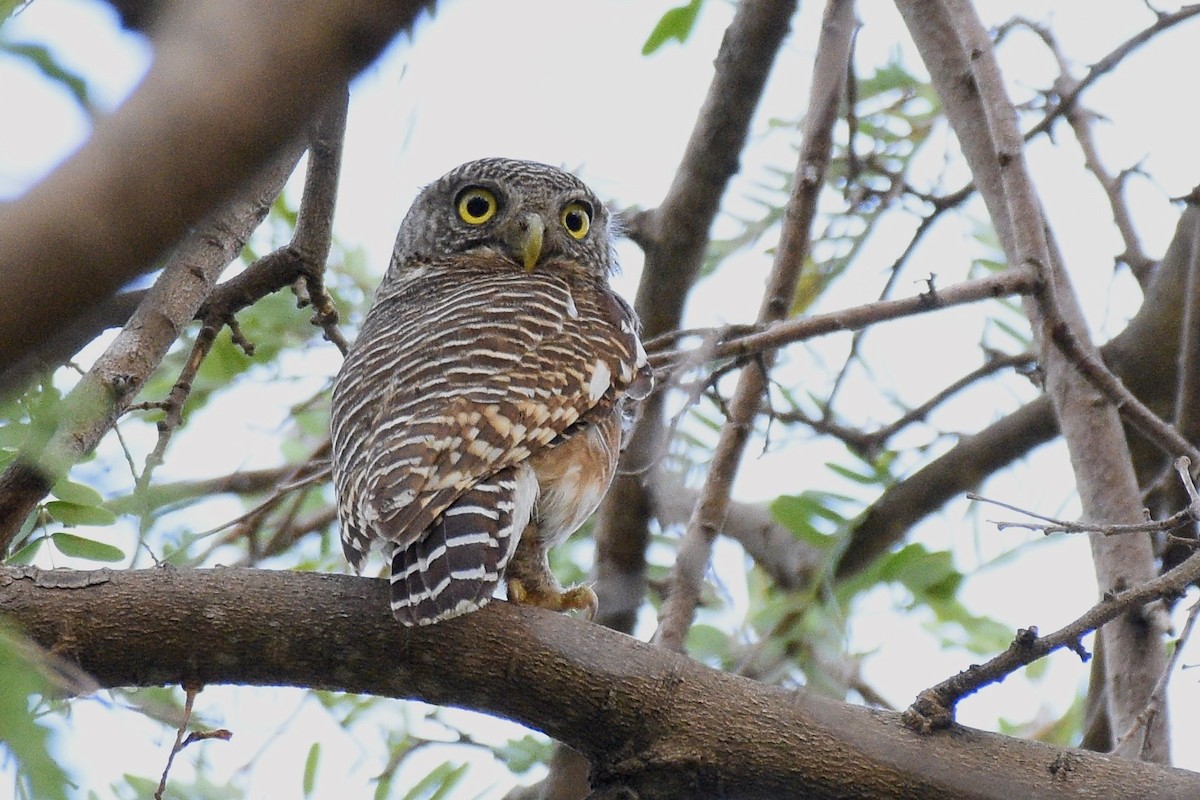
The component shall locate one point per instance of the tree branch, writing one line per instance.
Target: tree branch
(103, 394)
(674, 237)
(962, 66)
(771, 335)
(934, 707)
(695, 548)
(650, 721)
(229, 86)
(1144, 355)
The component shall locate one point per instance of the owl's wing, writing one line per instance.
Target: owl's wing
(471, 374)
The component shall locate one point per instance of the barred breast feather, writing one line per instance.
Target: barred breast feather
(462, 372)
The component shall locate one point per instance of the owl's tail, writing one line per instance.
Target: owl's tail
(454, 567)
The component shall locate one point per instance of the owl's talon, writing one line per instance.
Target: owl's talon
(577, 598)
(581, 598)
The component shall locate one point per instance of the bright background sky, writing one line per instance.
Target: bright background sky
(570, 87)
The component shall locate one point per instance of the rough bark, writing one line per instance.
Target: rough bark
(650, 721)
(958, 53)
(230, 85)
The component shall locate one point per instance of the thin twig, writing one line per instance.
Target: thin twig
(1109, 62)
(1190, 513)
(774, 335)
(934, 707)
(224, 735)
(314, 229)
(868, 443)
(940, 206)
(173, 405)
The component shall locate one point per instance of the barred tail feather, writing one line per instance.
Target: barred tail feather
(454, 568)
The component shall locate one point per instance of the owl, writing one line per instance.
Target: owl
(478, 417)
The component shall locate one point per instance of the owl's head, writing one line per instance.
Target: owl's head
(526, 213)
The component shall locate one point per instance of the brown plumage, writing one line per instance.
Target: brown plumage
(482, 404)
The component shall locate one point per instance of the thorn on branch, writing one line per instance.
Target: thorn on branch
(928, 713)
(235, 333)
(929, 297)
(1076, 647)
(1026, 637)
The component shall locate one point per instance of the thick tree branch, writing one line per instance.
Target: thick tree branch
(961, 62)
(64, 343)
(1187, 402)
(230, 85)
(103, 394)
(649, 721)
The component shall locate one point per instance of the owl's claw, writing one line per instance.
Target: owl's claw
(577, 598)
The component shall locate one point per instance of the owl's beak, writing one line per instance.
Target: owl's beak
(529, 241)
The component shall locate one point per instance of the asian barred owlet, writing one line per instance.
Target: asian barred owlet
(478, 417)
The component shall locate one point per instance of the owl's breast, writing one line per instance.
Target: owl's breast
(573, 477)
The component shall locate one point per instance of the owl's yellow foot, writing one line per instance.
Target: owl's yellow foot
(577, 598)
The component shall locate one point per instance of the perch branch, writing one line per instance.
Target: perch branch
(650, 721)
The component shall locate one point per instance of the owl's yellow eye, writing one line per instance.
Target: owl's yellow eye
(476, 205)
(577, 219)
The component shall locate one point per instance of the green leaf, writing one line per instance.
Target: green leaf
(522, 755)
(78, 547)
(23, 737)
(675, 24)
(863, 478)
(77, 514)
(310, 768)
(437, 783)
(44, 61)
(923, 572)
(708, 643)
(798, 513)
(7, 7)
(25, 554)
(891, 77)
(13, 434)
(145, 787)
(77, 493)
